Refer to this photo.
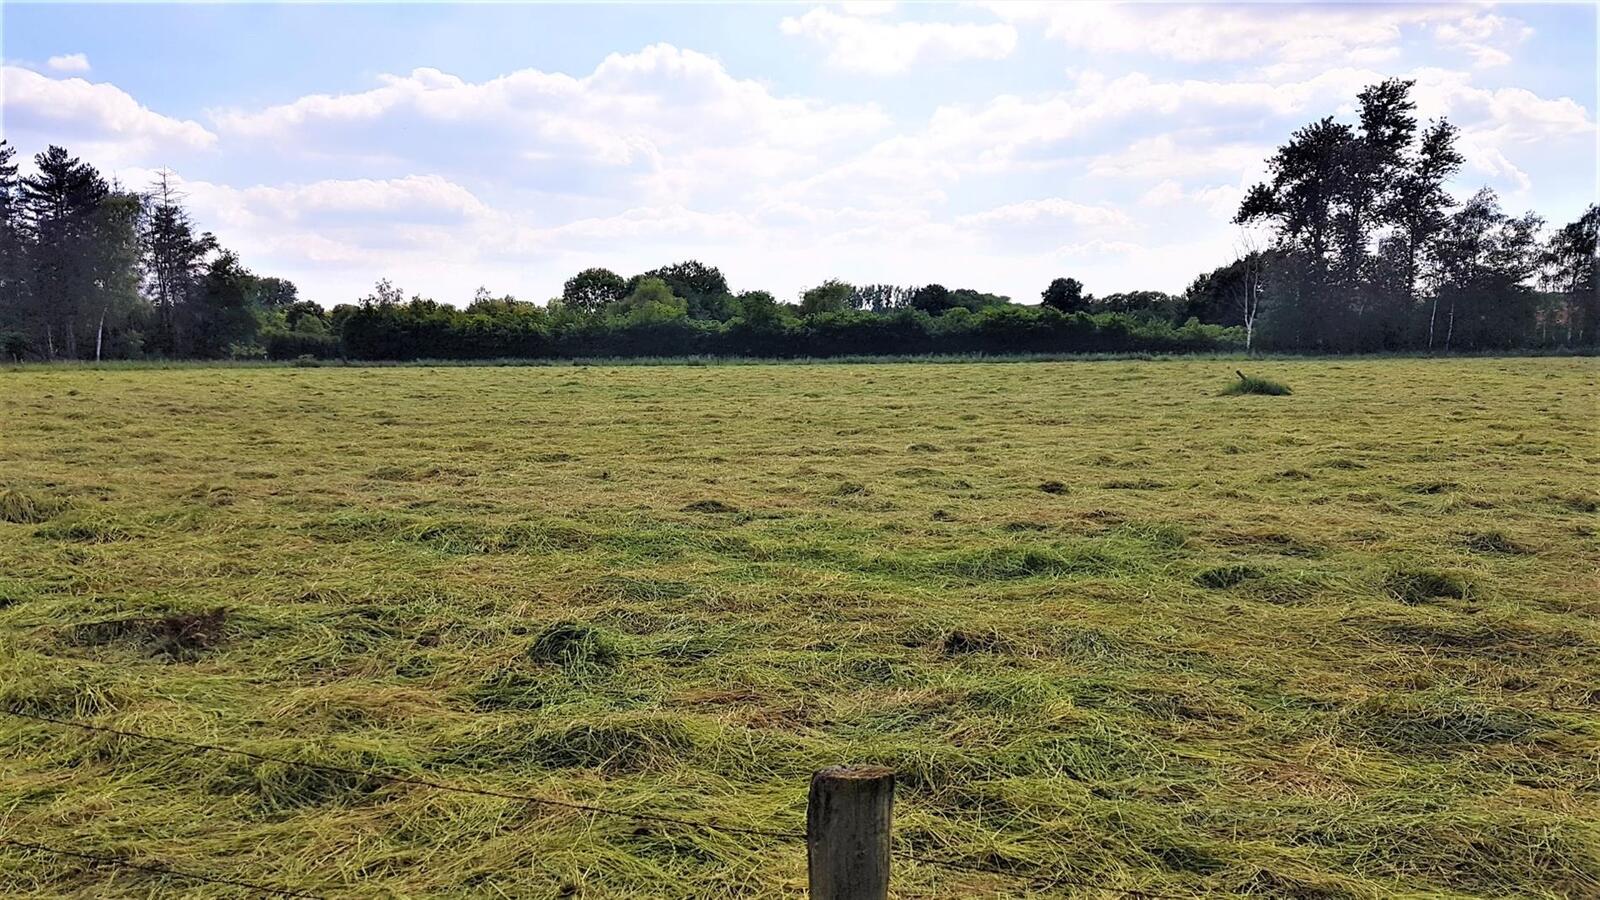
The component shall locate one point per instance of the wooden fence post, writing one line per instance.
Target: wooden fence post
(848, 814)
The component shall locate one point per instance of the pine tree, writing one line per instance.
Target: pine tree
(175, 258)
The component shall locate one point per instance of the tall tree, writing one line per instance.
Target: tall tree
(1485, 260)
(175, 260)
(1419, 204)
(81, 231)
(14, 305)
(1570, 264)
(221, 313)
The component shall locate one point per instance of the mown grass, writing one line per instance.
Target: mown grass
(1105, 624)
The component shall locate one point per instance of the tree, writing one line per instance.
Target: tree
(652, 301)
(175, 262)
(592, 290)
(702, 288)
(932, 299)
(1420, 204)
(222, 315)
(760, 309)
(1485, 259)
(832, 295)
(63, 203)
(882, 297)
(1361, 207)
(384, 294)
(1569, 261)
(14, 306)
(274, 293)
(1065, 295)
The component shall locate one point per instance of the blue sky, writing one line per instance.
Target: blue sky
(986, 145)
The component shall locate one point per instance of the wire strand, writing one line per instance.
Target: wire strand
(417, 782)
(159, 870)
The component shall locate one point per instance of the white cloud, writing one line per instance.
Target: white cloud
(875, 47)
(1265, 34)
(97, 118)
(1164, 156)
(671, 121)
(630, 106)
(1219, 201)
(1048, 210)
(70, 62)
(1013, 133)
(868, 7)
(1488, 38)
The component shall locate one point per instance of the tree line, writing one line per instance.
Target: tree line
(91, 270)
(1365, 251)
(1371, 253)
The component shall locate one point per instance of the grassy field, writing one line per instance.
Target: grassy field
(1107, 625)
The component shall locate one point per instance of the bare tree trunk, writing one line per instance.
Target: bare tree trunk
(99, 335)
(1433, 316)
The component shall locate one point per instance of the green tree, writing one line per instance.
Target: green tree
(1485, 260)
(759, 309)
(932, 299)
(1569, 260)
(832, 295)
(592, 290)
(175, 261)
(222, 315)
(652, 301)
(64, 219)
(702, 288)
(14, 306)
(1065, 295)
(276, 293)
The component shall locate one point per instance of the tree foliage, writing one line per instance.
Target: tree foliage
(1368, 252)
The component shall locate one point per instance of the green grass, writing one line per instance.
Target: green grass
(1105, 624)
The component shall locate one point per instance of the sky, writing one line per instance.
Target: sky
(985, 145)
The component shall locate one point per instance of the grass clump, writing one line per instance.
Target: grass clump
(621, 745)
(1431, 723)
(1252, 384)
(1495, 542)
(576, 647)
(959, 643)
(23, 508)
(1223, 577)
(84, 529)
(1414, 586)
(177, 636)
